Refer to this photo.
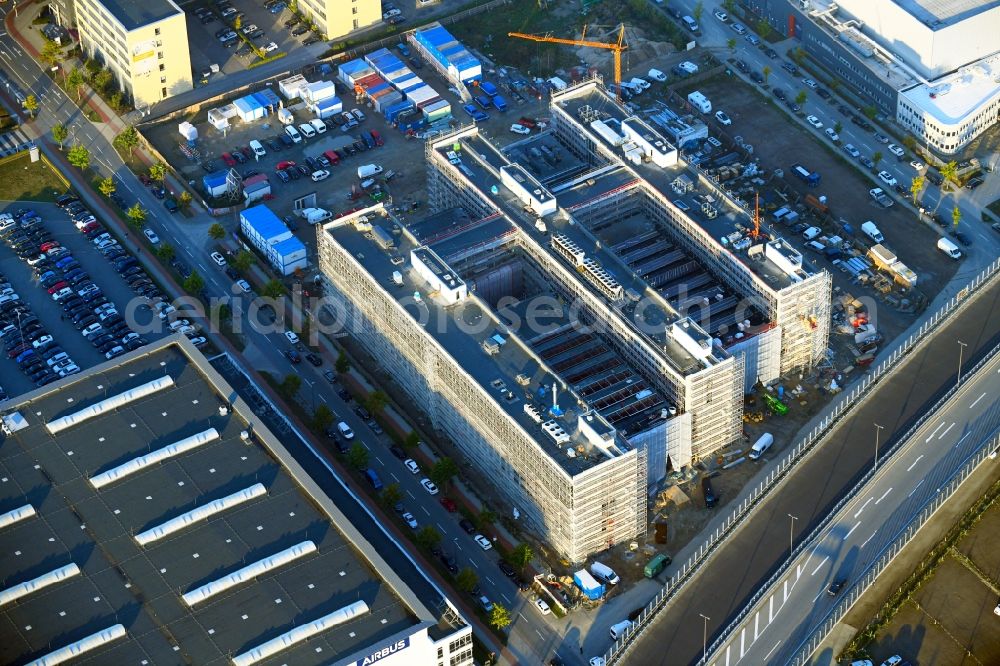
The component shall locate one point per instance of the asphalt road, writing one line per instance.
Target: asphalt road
(798, 603)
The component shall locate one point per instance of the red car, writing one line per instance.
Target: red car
(144, 179)
(379, 141)
(62, 284)
(247, 153)
(48, 246)
(332, 156)
(449, 504)
(285, 164)
(90, 226)
(228, 159)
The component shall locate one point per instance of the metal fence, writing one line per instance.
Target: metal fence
(799, 452)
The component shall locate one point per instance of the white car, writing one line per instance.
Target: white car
(657, 75)
(723, 118)
(151, 235)
(542, 606)
(917, 165)
(409, 520)
(412, 465)
(896, 150)
(199, 341)
(887, 178)
(429, 486)
(809, 82)
(517, 128)
(641, 84)
(318, 125)
(307, 130)
(483, 542)
(271, 46)
(292, 337)
(218, 259)
(321, 174)
(830, 132)
(815, 122)
(722, 16)
(852, 151)
(892, 661)
(244, 286)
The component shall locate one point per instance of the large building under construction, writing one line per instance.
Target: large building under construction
(580, 314)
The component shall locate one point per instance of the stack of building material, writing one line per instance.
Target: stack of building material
(447, 55)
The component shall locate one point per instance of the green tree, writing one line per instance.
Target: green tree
(467, 580)
(78, 156)
(51, 53)
(428, 537)
(801, 98)
(956, 216)
(763, 29)
(838, 127)
(59, 134)
(136, 215)
(194, 283)
(767, 73)
(485, 518)
(117, 101)
(834, 84)
(243, 260)
(499, 617)
(31, 105)
(443, 471)
(157, 171)
(107, 186)
(731, 43)
(273, 289)
(184, 199)
(376, 402)
(342, 364)
(870, 112)
(127, 141)
(216, 231)
(412, 440)
(730, 6)
(521, 556)
(102, 79)
(165, 251)
(916, 185)
(699, 9)
(322, 418)
(76, 81)
(798, 55)
(358, 456)
(391, 495)
(949, 172)
(910, 143)
(222, 312)
(877, 157)
(290, 386)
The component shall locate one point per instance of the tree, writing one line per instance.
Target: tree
(184, 199)
(217, 231)
(916, 185)
(165, 251)
(521, 556)
(59, 134)
(443, 471)
(391, 495)
(870, 112)
(376, 402)
(237, 23)
(910, 143)
(117, 101)
(243, 260)
(136, 215)
(102, 79)
(499, 617)
(31, 105)
(412, 440)
(157, 171)
(767, 73)
(78, 156)
(949, 171)
(801, 98)
(877, 157)
(486, 517)
(699, 9)
(194, 283)
(467, 580)
(127, 141)
(763, 29)
(322, 418)
(730, 6)
(731, 43)
(273, 289)
(838, 127)
(428, 537)
(75, 81)
(956, 216)
(834, 84)
(290, 386)
(798, 55)
(342, 364)
(358, 456)
(107, 186)
(51, 53)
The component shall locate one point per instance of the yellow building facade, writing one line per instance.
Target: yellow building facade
(336, 18)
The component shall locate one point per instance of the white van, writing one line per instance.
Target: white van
(293, 134)
(257, 148)
(811, 233)
(368, 170)
(949, 248)
(618, 630)
(318, 125)
(345, 430)
(761, 445)
(604, 573)
(307, 130)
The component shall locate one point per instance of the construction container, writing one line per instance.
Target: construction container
(436, 111)
(351, 71)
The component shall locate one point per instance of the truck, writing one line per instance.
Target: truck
(656, 565)
(699, 101)
(879, 195)
(810, 178)
(949, 248)
(882, 256)
(870, 229)
(368, 170)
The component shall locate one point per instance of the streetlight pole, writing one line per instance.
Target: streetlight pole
(791, 534)
(961, 348)
(878, 431)
(704, 638)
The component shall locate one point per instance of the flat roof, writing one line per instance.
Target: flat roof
(134, 14)
(945, 12)
(952, 98)
(140, 586)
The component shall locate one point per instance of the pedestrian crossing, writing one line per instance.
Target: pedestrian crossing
(13, 142)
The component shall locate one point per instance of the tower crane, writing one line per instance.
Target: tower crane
(615, 47)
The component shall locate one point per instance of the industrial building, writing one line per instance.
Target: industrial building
(934, 66)
(336, 18)
(273, 239)
(144, 44)
(148, 516)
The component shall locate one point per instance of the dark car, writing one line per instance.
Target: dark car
(974, 183)
(757, 77)
(314, 359)
(962, 238)
(506, 569)
(344, 395)
(467, 525)
(779, 93)
(823, 93)
(449, 562)
(293, 356)
(835, 587)
(397, 451)
(362, 413)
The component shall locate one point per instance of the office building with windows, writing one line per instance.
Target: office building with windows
(336, 18)
(144, 43)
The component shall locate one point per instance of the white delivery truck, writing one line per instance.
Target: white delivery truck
(315, 215)
(761, 445)
(871, 230)
(604, 573)
(949, 248)
(368, 170)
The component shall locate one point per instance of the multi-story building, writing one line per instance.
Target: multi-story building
(933, 66)
(144, 43)
(151, 516)
(64, 12)
(336, 18)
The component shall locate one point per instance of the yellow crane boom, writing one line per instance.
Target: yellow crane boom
(615, 47)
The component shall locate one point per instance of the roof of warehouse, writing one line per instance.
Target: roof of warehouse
(134, 14)
(80, 521)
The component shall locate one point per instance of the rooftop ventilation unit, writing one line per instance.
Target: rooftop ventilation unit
(604, 281)
(533, 413)
(556, 432)
(568, 248)
(11, 423)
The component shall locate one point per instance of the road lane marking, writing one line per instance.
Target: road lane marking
(915, 462)
(366, 446)
(505, 597)
(426, 511)
(818, 596)
(915, 488)
(977, 400)
(786, 591)
(869, 538)
(852, 529)
(473, 563)
(819, 566)
(380, 461)
(883, 496)
(961, 440)
(492, 583)
(770, 609)
(772, 650)
(756, 626)
(742, 649)
(410, 494)
(863, 507)
(941, 425)
(539, 634)
(393, 475)
(947, 430)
